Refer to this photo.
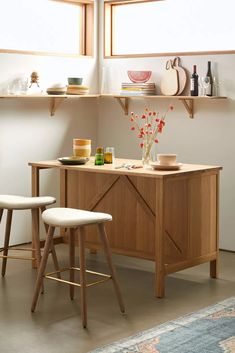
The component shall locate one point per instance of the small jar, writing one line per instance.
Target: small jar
(82, 148)
(108, 157)
(99, 156)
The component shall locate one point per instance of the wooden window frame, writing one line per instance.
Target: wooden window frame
(86, 36)
(108, 35)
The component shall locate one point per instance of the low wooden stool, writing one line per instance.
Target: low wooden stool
(75, 219)
(13, 202)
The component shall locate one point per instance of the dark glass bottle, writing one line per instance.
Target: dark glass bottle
(209, 89)
(194, 82)
(99, 156)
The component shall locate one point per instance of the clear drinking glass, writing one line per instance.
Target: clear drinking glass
(215, 87)
(205, 84)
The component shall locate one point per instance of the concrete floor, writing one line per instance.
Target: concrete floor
(56, 325)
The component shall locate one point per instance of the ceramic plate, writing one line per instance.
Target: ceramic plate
(73, 160)
(58, 93)
(158, 166)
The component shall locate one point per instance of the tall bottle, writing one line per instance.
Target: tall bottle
(194, 82)
(209, 88)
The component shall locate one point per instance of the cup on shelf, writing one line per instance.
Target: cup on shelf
(167, 159)
(75, 80)
(82, 148)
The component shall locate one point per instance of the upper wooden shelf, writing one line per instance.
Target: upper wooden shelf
(188, 101)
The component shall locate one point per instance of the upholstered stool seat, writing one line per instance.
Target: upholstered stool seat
(71, 217)
(76, 219)
(15, 202)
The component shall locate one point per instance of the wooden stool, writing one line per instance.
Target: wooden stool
(12, 202)
(75, 219)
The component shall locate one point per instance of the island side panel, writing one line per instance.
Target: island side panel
(131, 202)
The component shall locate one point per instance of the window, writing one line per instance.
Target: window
(56, 27)
(168, 27)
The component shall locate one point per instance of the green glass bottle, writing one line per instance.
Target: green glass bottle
(99, 156)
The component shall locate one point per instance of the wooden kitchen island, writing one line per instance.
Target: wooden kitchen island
(169, 217)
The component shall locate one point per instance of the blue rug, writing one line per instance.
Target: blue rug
(211, 330)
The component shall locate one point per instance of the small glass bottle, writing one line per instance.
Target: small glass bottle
(99, 156)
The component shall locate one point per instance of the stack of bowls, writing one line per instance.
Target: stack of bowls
(75, 86)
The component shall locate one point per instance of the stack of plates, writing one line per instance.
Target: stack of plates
(77, 89)
(138, 89)
(57, 88)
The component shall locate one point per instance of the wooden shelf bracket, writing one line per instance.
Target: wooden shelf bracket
(189, 106)
(124, 103)
(54, 104)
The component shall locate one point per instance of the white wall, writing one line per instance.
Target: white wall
(206, 139)
(29, 133)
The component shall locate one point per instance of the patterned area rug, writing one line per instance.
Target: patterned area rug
(211, 330)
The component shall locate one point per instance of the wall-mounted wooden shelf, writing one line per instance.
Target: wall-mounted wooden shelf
(188, 101)
(56, 100)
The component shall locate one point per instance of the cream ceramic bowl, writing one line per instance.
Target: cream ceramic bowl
(166, 159)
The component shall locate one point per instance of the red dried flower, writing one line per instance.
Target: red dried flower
(148, 128)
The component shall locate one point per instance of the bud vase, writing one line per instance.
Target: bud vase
(146, 154)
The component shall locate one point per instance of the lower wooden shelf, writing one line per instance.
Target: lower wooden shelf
(188, 101)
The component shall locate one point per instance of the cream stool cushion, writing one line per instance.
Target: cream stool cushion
(72, 217)
(23, 203)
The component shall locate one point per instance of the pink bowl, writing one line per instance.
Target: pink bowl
(139, 76)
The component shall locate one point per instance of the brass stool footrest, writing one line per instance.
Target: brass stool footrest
(17, 257)
(49, 276)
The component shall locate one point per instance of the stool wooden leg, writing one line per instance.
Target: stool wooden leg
(105, 242)
(71, 260)
(42, 267)
(6, 240)
(35, 232)
(82, 263)
(53, 252)
(1, 213)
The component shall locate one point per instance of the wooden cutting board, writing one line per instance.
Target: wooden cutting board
(182, 76)
(169, 81)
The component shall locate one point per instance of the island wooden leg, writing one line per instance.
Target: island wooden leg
(214, 263)
(214, 268)
(159, 241)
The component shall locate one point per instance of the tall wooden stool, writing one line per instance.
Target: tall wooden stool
(11, 203)
(75, 219)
